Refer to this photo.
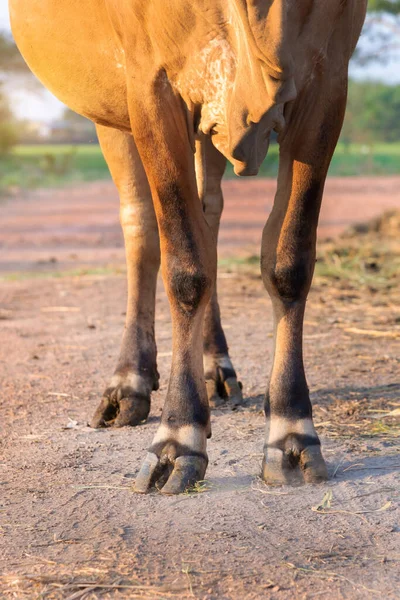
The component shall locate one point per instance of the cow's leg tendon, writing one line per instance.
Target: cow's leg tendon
(220, 375)
(288, 258)
(126, 401)
(177, 457)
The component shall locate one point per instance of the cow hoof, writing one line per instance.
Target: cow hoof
(170, 478)
(280, 467)
(120, 407)
(292, 454)
(175, 462)
(221, 382)
(126, 401)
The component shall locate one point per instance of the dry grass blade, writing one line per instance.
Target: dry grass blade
(329, 575)
(350, 467)
(328, 511)
(393, 413)
(383, 467)
(378, 491)
(187, 571)
(337, 467)
(102, 487)
(81, 588)
(80, 593)
(143, 589)
(325, 503)
(51, 309)
(199, 487)
(373, 332)
(269, 492)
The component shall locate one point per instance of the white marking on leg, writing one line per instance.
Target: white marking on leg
(187, 435)
(209, 361)
(133, 380)
(279, 427)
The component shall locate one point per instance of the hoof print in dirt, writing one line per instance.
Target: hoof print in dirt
(121, 407)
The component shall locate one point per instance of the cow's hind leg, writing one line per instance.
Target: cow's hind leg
(288, 258)
(220, 375)
(126, 401)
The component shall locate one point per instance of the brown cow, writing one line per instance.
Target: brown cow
(161, 78)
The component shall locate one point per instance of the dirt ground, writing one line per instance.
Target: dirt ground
(77, 228)
(70, 525)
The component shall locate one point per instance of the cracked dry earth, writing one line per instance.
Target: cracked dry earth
(70, 525)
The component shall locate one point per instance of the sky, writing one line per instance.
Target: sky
(45, 107)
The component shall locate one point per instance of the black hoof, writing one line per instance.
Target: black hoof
(121, 407)
(222, 387)
(291, 468)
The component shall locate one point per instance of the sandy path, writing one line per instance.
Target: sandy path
(70, 526)
(78, 226)
(69, 518)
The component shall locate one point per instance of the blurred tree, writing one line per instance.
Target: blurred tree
(78, 128)
(373, 113)
(13, 69)
(8, 129)
(389, 6)
(72, 128)
(5, 111)
(72, 117)
(381, 34)
(11, 60)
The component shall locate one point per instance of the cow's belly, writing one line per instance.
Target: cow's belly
(71, 47)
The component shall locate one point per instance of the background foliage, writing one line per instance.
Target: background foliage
(373, 113)
(370, 141)
(389, 6)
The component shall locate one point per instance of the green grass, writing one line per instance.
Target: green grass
(352, 160)
(358, 262)
(54, 165)
(80, 272)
